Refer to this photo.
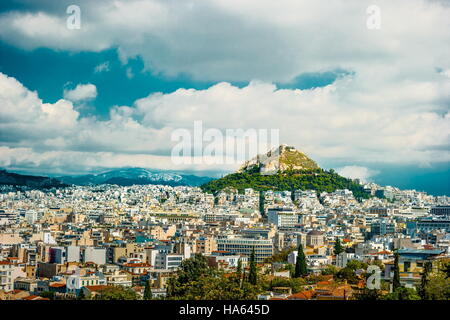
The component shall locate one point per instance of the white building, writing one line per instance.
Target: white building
(168, 260)
(343, 258)
(96, 255)
(283, 218)
(6, 278)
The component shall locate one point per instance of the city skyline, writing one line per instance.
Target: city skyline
(217, 158)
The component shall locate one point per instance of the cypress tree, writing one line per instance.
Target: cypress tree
(82, 296)
(300, 264)
(262, 198)
(338, 246)
(424, 280)
(148, 291)
(239, 271)
(252, 276)
(396, 279)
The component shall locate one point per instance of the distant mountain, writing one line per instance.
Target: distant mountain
(35, 182)
(284, 169)
(131, 176)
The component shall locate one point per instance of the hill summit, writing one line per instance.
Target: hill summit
(279, 159)
(284, 169)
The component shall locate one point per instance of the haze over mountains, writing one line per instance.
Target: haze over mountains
(130, 176)
(122, 177)
(38, 182)
(279, 160)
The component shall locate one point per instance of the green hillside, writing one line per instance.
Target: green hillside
(316, 179)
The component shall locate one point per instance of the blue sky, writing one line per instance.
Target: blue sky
(372, 104)
(65, 70)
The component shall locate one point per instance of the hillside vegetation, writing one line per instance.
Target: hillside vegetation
(317, 179)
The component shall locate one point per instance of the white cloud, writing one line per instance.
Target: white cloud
(252, 39)
(393, 109)
(82, 92)
(326, 123)
(357, 172)
(24, 117)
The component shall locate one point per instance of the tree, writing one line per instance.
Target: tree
(300, 264)
(437, 287)
(379, 264)
(281, 256)
(262, 199)
(355, 265)
(424, 280)
(347, 274)
(218, 287)
(330, 269)
(189, 271)
(317, 179)
(252, 276)
(369, 294)
(338, 246)
(239, 272)
(148, 291)
(396, 280)
(296, 284)
(82, 296)
(446, 269)
(402, 293)
(116, 293)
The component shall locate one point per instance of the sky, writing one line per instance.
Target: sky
(371, 103)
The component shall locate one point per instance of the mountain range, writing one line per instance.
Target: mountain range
(130, 176)
(35, 182)
(122, 177)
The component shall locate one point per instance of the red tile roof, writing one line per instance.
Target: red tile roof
(137, 265)
(384, 252)
(96, 288)
(303, 295)
(34, 297)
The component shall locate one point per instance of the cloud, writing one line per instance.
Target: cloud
(326, 123)
(390, 103)
(357, 172)
(24, 117)
(221, 40)
(82, 92)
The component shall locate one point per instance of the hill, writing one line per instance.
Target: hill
(34, 182)
(282, 158)
(284, 169)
